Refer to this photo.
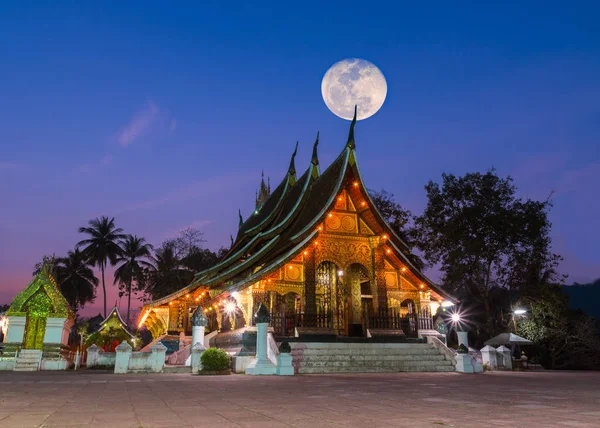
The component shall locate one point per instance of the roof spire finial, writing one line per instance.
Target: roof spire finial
(241, 219)
(315, 157)
(231, 239)
(292, 170)
(351, 143)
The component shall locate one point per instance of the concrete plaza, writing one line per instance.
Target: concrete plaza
(81, 399)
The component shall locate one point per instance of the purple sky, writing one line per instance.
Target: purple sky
(164, 117)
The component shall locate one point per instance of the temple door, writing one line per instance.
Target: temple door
(35, 329)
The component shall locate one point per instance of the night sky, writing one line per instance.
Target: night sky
(164, 116)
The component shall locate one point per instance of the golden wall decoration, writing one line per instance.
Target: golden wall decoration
(294, 272)
(391, 279)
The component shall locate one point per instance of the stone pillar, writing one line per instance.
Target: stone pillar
(92, 356)
(16, 329)
(199, 323)
(463, 338)
(284, 365)
(261, 365)
(464, 363)
(157, 359)
(504, 353)
(379, 273)
(249, 306)
(196, 362)
(122, 357)
(310, 290)
(54, 330)
(488, 356)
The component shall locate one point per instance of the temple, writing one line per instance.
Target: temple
(319, 255)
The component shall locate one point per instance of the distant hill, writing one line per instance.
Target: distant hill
(585, 297)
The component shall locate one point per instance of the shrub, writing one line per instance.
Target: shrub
(214, 359)
(462, 349)
(285, 348)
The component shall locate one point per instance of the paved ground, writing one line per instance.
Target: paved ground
(82, 399)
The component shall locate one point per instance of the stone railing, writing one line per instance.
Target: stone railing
(124, 360)
(439, 345)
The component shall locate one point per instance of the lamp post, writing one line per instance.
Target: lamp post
(517, 312)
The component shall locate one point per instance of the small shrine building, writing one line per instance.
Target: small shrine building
(39, 322)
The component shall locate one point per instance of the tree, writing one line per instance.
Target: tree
(399, 219)
(51, 260)
(166, 273)
(483, 237)
(76, 279)
(82, 329)
(134, 255)
(566, 339)
(101, 246)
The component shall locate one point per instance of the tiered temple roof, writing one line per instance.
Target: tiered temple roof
(288, 221)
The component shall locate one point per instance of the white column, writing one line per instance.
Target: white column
(262, 365)
(158, 357)
(463, 338)
(122, 357)
(196, 361)
(16, 329)
(197, 334)
(54, 330)
(488, 356)
(92, 356)
(504, 353)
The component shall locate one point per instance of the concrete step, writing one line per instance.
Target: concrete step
(368, 358)
(364, 345)
(355, 369)
(379, 352)
(177, 369)
(374, 363)
(371, 358)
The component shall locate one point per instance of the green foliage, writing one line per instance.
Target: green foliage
(399, 219)
(486, 242)
(134, 256)
(462, 349)
(285, 348)
(564, 338)
(76, 279)
(214, 359)
(176, 262)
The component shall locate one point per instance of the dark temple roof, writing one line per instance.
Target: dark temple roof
(287, 222)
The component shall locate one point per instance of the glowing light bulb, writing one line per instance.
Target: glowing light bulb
(403, 269)
(455, 317)
(230, 307)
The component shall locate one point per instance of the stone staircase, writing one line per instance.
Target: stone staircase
(368, 358)
(28, 360)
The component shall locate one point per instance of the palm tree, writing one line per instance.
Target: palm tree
(76, 279)
(101, 246)
(82, 329)
(133, 252)
(167, 274)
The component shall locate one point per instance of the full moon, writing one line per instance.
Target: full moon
(353, 82)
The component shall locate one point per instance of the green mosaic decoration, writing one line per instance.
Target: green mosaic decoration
(34, 332)
(41, 298)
